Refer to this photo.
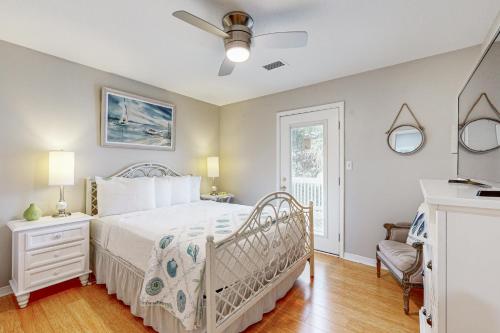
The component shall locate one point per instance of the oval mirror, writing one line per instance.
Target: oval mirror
(405, 139)
(481, 135)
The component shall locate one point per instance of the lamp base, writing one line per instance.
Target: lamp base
(61, 209)
(214, 190)
(62, 214)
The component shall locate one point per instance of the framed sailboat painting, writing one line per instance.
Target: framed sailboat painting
(130, 121)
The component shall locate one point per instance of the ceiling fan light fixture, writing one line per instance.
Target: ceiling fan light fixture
(238, 36)
(238, 51)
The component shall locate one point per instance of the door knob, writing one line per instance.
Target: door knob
(283, 182)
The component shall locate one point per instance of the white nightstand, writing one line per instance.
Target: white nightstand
(226, 197)
(48, 251)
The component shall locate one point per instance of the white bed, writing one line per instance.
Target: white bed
(122, 245)
(117, 232)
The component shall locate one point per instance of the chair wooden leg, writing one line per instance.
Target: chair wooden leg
(378, 267)
(406, 298)
(311, 266)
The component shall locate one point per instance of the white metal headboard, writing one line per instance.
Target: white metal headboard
(134, 171)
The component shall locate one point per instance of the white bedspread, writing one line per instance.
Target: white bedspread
(176, 267)
(131, 236)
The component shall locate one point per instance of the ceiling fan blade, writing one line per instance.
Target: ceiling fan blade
(199, 23)
(281, 40)
(226, 67)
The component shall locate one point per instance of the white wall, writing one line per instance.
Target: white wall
(48, 103)
(383, 186)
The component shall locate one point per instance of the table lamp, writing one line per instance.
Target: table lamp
(213, 171)
(61, 173)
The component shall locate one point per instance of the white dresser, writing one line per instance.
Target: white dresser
(462, 260)
(48, 251)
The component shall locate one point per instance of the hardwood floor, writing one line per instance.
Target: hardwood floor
(344, 297)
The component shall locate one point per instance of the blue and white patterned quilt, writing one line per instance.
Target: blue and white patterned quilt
(174, 277)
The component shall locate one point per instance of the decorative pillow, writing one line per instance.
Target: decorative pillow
(163, 191)
(195, 188)
(181, 190)
(119, 195)
(417, 229)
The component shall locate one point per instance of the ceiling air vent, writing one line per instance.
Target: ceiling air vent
(274, 65)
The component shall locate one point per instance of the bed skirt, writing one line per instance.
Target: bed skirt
(125, 280)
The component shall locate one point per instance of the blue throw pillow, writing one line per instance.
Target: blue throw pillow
(418, 227)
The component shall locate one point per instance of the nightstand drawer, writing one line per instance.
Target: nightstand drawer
(53, 236)
(47, 274)
(53, 254)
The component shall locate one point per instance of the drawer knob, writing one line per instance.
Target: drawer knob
(429, 265)
(56, 255)
(56, 273)
(429, 320)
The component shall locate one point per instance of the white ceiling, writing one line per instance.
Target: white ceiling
(141, 40)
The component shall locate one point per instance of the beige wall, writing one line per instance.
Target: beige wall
(47, 103)
(383, 186)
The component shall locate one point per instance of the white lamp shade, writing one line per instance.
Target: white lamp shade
(61, 168)
(213, 166)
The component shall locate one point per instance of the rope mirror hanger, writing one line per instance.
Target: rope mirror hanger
(492, 106)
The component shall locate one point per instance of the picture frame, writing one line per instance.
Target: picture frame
(132, 121)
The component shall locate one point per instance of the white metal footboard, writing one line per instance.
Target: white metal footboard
(241, 269)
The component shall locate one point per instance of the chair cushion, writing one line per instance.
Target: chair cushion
(401, 255)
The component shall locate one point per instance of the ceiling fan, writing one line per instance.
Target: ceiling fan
(238, 37)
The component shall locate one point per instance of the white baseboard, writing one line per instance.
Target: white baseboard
(4, 291)
(362, 260)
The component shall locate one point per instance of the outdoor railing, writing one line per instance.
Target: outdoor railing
(308, 189)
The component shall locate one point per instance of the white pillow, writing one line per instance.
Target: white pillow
(119, 195)
(195, 188)
(163, 190)
(181, 190)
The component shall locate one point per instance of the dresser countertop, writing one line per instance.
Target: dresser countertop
(440, 192)
(47, 221)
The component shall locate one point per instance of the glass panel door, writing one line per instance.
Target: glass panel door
(307, 170)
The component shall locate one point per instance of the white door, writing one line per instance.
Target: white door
(309, 168)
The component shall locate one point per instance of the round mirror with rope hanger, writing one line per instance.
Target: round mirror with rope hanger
(405, 139)
(480, 135)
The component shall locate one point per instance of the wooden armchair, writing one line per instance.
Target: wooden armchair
(404, 262)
